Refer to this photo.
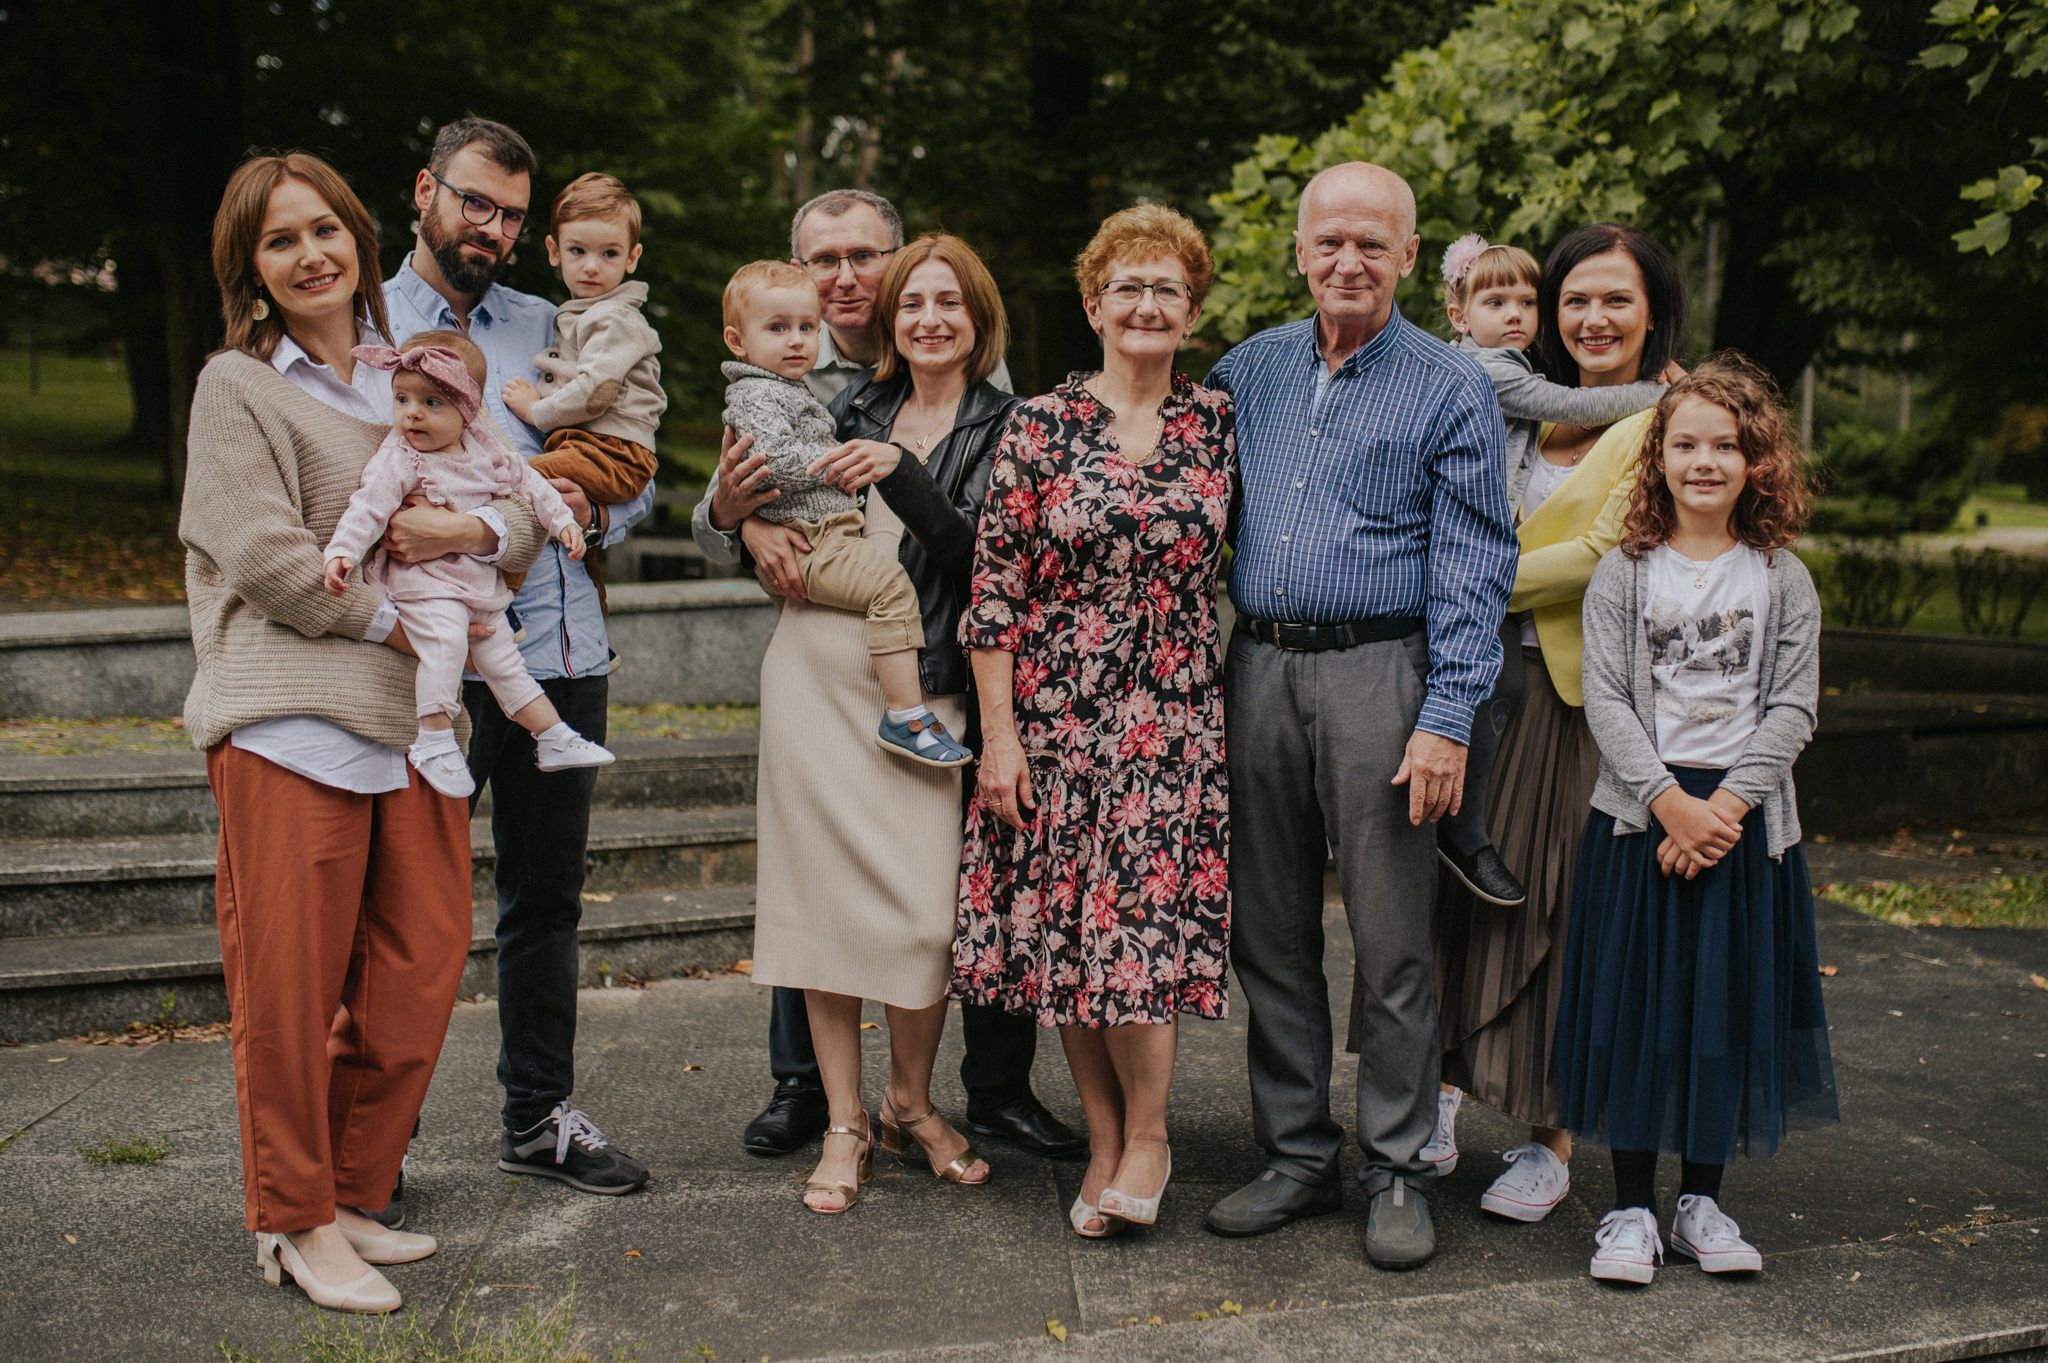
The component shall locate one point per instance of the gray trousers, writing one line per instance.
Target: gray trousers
(1314, 741)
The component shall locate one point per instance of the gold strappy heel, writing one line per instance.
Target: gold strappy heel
(863, 1172)
(898, 1141)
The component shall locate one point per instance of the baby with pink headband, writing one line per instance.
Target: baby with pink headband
(437, 449)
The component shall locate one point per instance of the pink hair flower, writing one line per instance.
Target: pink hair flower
(1460, 254)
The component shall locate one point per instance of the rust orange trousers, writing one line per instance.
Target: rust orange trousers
(344, 926)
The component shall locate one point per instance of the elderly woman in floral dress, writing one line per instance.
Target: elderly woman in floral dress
(1095, 891)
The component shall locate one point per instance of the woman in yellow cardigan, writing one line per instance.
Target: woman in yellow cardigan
(1611, 310)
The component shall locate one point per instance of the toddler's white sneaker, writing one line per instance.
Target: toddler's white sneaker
(1704, 1232)
(1535, 1181)
(561, 747)
(1442, 1150)
(438, 758)
(1626, 1249)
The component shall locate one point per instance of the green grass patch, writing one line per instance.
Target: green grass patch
(681, 721)
(2004, 505)
(1995, 902)
(537, 1335)
(46, 737)
(134, 1150)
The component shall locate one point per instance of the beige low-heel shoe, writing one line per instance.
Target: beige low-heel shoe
(369, 1294)
(383, 1246)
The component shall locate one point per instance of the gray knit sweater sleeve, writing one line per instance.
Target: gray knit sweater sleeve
(1791, 706)
(792, 428)
(1526, 395)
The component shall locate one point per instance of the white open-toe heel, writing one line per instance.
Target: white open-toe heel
(1083, 1211)
(369, 1294)
(1139, 1211)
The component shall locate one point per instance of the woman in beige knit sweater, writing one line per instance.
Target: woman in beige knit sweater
(343, 882)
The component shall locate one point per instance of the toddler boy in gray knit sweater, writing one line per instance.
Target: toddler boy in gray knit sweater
(772, 319)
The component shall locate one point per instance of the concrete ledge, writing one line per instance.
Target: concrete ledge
(1888, 661)
(696, 643)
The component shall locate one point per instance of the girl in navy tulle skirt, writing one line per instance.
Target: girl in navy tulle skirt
(1691, 1018)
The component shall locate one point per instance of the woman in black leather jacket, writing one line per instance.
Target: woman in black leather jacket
(859, 855)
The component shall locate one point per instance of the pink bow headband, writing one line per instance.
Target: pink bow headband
(438, 364)
(1460, 254)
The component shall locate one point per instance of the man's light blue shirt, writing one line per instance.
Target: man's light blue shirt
(1375, 491)
(558, 605)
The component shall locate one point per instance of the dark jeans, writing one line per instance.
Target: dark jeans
(1465, 831)
(539, 823)
(995, 1069)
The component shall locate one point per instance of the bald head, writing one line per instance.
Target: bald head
(1354, 241)
(1363, 183)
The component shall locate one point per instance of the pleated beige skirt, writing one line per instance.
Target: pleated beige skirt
(859, 867)
(1499, 970)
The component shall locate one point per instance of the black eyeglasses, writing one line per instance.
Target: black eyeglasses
(862, 261)
(479, 211)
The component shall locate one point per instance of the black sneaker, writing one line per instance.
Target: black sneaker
(1484, 874)
(568, 1148)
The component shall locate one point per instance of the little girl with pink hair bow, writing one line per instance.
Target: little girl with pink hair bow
(438, 449)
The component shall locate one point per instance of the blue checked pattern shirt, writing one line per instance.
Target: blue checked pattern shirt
(557, 606)
(1376, 490)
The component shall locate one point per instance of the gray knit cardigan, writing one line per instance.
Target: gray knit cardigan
(1621, 707)
(792, 428)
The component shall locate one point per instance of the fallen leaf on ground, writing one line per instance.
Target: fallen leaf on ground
(1831, 970)
(870, 1026)
(2038, 982)
(598, 896)
(688, 1068)
(632, 1254)
(70, 1239)
(1052, 1327)
(742, 967)
(60, 1059)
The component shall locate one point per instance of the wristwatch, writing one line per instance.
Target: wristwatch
(596, 530)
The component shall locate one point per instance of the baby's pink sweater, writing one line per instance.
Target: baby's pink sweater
(461, 479)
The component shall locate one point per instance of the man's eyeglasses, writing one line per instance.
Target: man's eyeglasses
(863, 262)
(1169, 293)
(479, 211)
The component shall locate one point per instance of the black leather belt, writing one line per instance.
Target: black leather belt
(1319, 638)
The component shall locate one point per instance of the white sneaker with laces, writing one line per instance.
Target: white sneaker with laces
(1535, 1181)
(1704, 1232)
(558, 751)
(1442, 1150)
(1626, 1246)
(442, 764)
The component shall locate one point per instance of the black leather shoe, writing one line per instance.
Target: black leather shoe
(1484, 874)
(794, 1117)
(1024, 1121)
(1272, 1200)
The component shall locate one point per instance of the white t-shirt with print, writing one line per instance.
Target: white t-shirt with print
(1707, 625)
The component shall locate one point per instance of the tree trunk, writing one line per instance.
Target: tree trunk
(1056, 338)
(180, 165)
(1758, 314)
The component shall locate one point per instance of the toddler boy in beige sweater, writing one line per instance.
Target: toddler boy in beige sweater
(600, 397)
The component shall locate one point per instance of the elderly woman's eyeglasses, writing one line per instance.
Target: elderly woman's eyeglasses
(479, 211)
(1169, 293)
(863, 262)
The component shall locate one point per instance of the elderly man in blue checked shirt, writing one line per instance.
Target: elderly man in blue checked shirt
(1374, 557)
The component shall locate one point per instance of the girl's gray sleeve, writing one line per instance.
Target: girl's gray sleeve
(1531, 397)
(1790, 711)
(1610, 702)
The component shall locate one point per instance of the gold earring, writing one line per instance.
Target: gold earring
(262, 308)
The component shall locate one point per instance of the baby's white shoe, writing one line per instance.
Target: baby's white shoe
(438, 758)
(561, 747)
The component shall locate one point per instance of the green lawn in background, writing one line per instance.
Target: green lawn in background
(1943, 613)
(2004, 505)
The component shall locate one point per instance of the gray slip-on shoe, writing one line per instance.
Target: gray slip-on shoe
(1272, 1200)
(1398, 1233)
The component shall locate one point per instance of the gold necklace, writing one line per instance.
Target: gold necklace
(1151, 443)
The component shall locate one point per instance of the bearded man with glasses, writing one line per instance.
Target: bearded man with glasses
(473, 199)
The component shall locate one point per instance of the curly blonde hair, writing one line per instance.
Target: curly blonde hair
(1777, 495)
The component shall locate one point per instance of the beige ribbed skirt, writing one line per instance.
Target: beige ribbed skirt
(859, 851)
(1499, 970)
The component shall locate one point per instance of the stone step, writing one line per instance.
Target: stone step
(114, 885)
(67, 985)
(130, 795)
